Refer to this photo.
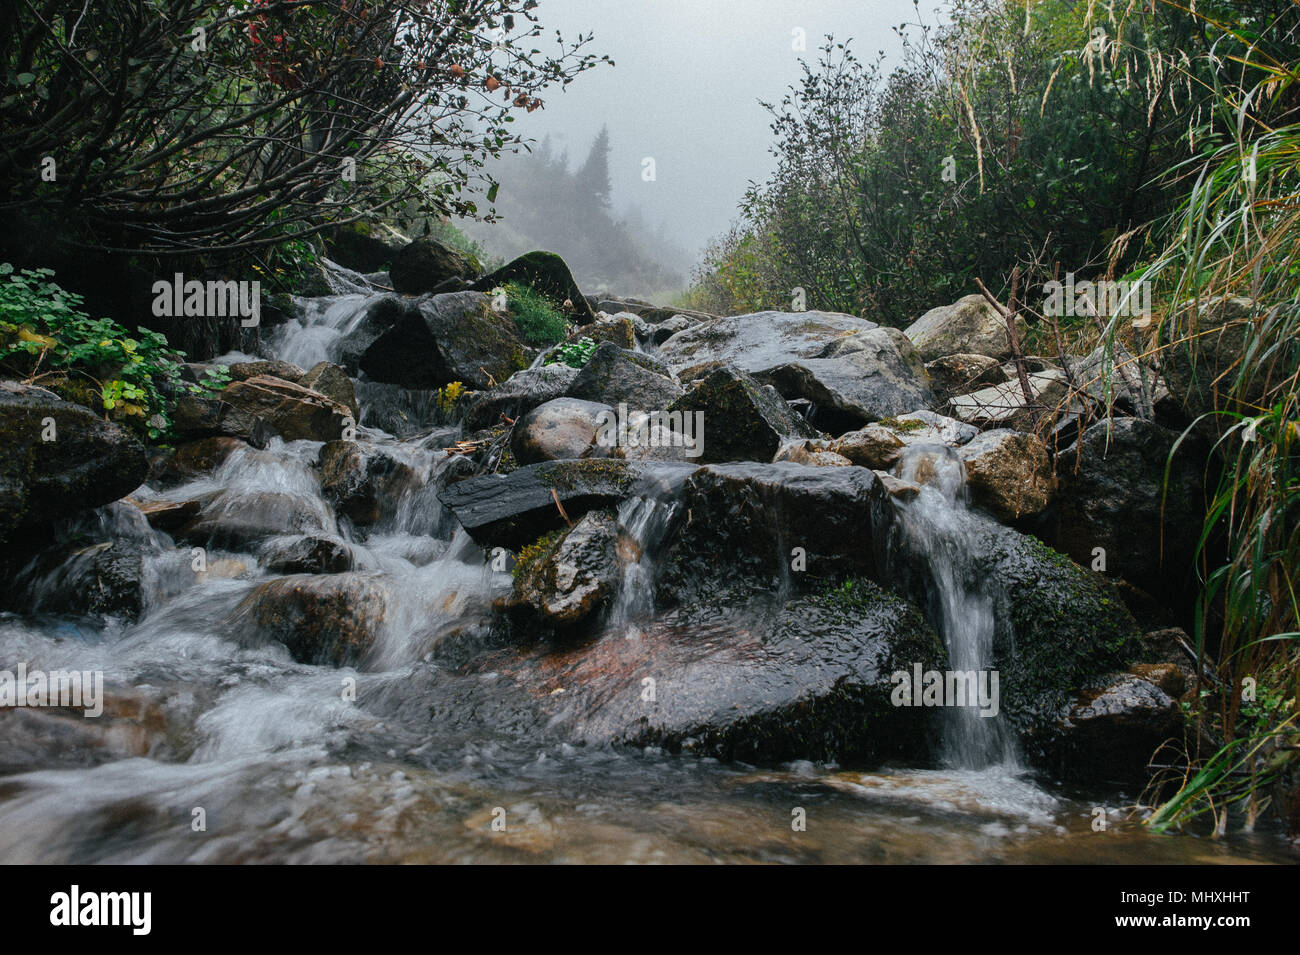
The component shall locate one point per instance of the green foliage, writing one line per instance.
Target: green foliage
(45, 338)
(574, 354)
(540, 322)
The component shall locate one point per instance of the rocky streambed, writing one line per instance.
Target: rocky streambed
(402, 592)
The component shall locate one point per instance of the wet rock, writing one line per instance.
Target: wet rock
(771, 522)
(857, 379)
(292, 411)
(743, 421)
(241, 519)
(874, 447)
(512, 510)
(653, 314)
(332, 381)
(380, 316)
(544, 272)
(329, 620)
(196, 418)
(616, 376)
(812, 681)
(1117, 499)
(56, 456)
(1057, 626)
(272, 368)
(439, 339)
(953, 375)
(363, 483)
(1111, 733)
(564, 581)
(563, 428)
(968, 326)
(759, 342)
(816, 452)
(192, 459)
(520, 393)
(306, 555)
(102, 579)
(425, 264)
(1008, 473)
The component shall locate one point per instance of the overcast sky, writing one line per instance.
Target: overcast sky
(686, 87)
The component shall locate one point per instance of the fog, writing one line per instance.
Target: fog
(685, 93)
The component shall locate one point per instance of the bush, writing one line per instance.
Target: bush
(46, 339)
(539, 321)
(574, 354)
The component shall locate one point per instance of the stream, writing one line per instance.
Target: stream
(215, 749)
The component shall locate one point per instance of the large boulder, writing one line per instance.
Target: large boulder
(1117, 383)
(968, 326)
(563, 428)
(427, 263)
(512, 510)
(544, 272)
(759, 342)
(1009, 473)
(809, 681)
(771, 523)
(616, 376)
(439, 339)
(292, 411)
(1114, 496)
(874, 446)
(365, 328)
(857, 379)
(56, 456)
(520, 393)
(743, 421)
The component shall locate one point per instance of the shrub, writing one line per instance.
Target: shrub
(46, 339)
(574, 354)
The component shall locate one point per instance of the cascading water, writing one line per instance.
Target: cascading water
(938, 526)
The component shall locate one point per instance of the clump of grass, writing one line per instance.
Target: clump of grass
(540, 322)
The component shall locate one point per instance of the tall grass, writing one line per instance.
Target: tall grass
(1232, 251)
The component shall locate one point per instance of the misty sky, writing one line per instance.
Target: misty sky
(685, 91)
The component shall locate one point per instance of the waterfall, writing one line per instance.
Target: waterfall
(938, 527)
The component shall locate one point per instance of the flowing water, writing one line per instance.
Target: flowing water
(218, 747)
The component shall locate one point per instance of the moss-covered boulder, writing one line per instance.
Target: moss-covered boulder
(544, 272)
(565, 578)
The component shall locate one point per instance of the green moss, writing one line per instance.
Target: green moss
(534, 553)
(894, 424)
